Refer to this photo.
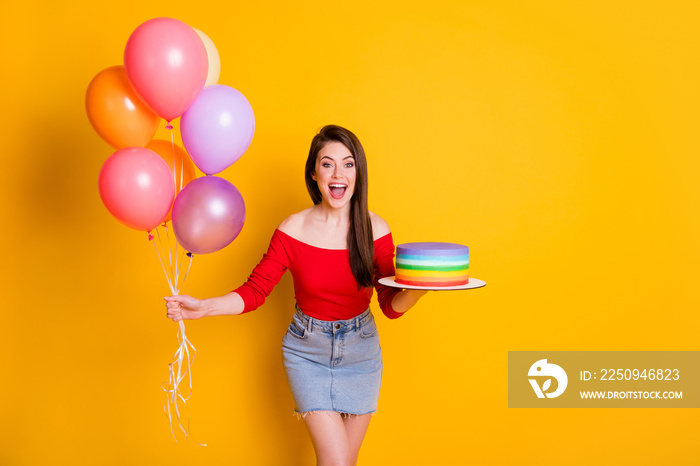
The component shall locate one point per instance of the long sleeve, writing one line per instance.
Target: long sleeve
(265, 275)
(384, 267)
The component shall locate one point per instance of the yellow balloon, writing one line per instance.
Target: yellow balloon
(213, 56)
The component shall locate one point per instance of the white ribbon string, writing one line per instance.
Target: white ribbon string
(179, 370)
(172, 145)
(167, 277)
(173, 271)
(182, 166)
(181, 365)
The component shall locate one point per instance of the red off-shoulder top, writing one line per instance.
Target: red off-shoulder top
(324, 286)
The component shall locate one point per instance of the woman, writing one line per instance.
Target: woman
(336, 251)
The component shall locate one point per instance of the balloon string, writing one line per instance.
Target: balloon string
(172, 145)
(182, 172)
(173, 394)
(178, 261)
(176, 276)
(167, 277)
(182, 165)
(173, 269)
(173, 272)
(181, 365)
(170, 260)
(189, 266)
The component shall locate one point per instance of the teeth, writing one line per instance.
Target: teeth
(337, 186)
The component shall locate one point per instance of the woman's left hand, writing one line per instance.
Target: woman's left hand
(406, 299)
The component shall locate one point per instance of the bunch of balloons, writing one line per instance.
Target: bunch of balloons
(171, 70)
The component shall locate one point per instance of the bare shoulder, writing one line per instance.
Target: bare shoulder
(293, 225)
(379, 226)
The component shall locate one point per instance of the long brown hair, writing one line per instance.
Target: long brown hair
(360, 238)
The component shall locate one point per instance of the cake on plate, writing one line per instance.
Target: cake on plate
(432, 264)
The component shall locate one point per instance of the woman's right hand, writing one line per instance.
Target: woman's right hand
(183, 307)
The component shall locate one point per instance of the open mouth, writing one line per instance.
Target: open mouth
(338, 190)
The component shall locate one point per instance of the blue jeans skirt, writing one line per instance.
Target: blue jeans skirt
(333, 366)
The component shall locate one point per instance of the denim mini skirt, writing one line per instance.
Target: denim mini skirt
(333, 365)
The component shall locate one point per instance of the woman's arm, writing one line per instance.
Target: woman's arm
(183, 307)
(245, 298)
(406, 299)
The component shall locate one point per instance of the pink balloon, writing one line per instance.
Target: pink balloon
(166, 63)
(136, 186)
(218, 128)
(208, 214)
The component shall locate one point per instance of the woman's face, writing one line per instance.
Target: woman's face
(335, 174)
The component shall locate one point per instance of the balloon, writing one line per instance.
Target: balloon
(217, 129)
(212, 58)
(208, 214)
(176, 156)
(166, 62)
(137, 187)
(116, 112)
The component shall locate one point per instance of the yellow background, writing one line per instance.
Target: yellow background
(559, 140)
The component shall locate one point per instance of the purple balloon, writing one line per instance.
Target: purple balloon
(208, 214)
(217, 128)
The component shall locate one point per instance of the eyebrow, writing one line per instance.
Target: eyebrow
(344, 158)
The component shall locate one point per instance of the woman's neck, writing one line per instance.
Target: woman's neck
(320, 227)
(333, 217)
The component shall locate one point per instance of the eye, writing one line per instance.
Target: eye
(349, 165)
(326, 165)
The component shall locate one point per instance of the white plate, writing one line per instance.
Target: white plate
(473, 283)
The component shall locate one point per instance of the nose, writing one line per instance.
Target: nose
(336, 172)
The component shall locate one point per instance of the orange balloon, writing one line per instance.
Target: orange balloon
(115, 111)
(174, 156)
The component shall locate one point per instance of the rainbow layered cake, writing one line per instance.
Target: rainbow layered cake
(432, 264)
